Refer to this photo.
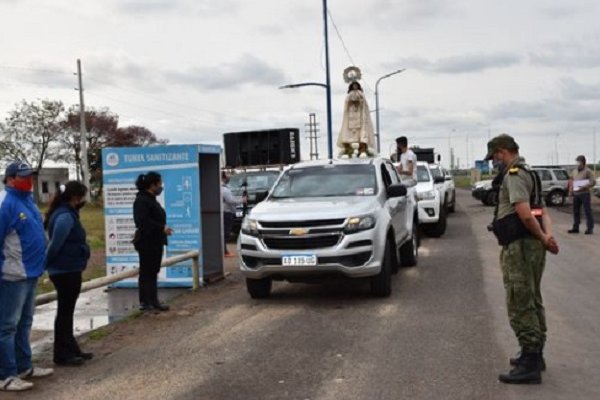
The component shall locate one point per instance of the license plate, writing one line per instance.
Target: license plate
(298, 260)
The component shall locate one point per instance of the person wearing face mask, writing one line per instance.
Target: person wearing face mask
(66, 258)
(150, 238)
(524, 230)
(583, 182)
(22, 260)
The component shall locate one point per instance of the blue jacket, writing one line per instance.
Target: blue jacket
(22, 238)
(68, 250)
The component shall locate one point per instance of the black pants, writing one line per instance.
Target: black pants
(150, 259)
(68, 287)
(227, 226)
(585, 201)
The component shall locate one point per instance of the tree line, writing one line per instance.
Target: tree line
(44, 130)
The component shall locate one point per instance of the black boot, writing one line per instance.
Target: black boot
(514, 361)
(526, 371)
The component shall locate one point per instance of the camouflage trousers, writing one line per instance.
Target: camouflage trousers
(522, 264)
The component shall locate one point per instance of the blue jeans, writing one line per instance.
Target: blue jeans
(17, 304)
(584, 200)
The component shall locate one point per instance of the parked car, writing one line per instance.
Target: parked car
(555, 184)
(447, 188)
(351, 218)
(250, 183)
(432, 213)
(484, 192)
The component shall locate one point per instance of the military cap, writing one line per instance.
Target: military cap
(499, 142)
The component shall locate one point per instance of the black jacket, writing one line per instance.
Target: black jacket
(150, 220)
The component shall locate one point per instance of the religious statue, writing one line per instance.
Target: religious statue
(356, 136)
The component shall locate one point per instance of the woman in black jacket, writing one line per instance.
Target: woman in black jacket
(150, 238)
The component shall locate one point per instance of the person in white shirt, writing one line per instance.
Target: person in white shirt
(408, 159)
(230, 203)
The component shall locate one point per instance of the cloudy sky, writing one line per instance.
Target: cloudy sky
(191, 70)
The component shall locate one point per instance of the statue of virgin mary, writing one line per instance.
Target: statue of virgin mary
(357, 127)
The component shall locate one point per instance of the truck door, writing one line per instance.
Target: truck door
(398, 205)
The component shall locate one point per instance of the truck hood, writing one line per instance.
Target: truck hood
(312, 208)
(424, 186)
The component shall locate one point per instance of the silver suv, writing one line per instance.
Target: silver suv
(555, 184)
(350, 218)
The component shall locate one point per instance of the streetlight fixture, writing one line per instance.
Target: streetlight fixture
(326, 85)
(377, 104)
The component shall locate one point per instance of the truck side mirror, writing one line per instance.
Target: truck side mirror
(439, 179)
(396, 190)
(260, 196)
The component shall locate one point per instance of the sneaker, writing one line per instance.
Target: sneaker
(15, 384)
(588, 232)
(36, 372)
(573, 231)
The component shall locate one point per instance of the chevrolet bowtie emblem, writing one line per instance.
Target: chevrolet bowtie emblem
(298, 231)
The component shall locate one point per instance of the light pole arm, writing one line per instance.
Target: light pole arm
(297, 85)
(377, 104)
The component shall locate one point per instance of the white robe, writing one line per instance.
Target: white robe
(357, 126)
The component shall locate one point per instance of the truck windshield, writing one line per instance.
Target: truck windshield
(327, 181)
(423, 174)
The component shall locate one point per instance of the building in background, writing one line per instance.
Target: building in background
(49, 181)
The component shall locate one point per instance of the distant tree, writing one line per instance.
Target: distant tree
(100, 125)
(102, 131)
(32, 132)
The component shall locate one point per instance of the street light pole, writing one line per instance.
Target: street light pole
(328, 84)
(377, 104)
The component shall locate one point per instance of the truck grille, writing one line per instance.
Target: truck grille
(301, 224)
(301, 243)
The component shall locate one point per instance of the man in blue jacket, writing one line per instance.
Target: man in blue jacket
(22, 259)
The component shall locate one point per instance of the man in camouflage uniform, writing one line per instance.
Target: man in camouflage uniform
(524, 230)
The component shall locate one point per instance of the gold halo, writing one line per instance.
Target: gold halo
(352, 74)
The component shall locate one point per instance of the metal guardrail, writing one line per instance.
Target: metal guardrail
(107, 280)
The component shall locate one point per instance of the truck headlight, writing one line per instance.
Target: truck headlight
(356, 224)
(250, 226)
(428, 195)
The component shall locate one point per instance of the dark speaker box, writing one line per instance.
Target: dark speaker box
(268, 147)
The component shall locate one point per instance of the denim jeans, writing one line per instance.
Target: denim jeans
(17, 304)
(584, 200)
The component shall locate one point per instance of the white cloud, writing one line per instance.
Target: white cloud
(460, 64)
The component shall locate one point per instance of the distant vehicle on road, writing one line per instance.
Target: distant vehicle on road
(555, 184)
(250, 183)
(447, 188)
(484, 191)
(432, 213)
(351, 218)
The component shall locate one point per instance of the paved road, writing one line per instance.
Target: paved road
(443, 334)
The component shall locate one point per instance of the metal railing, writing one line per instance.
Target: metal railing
(107, 280)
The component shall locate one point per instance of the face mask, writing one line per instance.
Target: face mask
(23, 184)
(158, 191)
(499, 165)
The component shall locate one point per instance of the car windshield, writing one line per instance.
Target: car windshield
(256, 181)
(435, 172)
(327, 181)
(423, 174)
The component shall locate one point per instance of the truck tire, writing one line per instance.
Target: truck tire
(381, 284)
(439, 228)
(259, 288)
(556, 198)
(409, 251)
(452, 208)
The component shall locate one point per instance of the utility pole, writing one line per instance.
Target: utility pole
(377, 105)
(328, 85)
(313, 130)
(594, 152)
(85, 169)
